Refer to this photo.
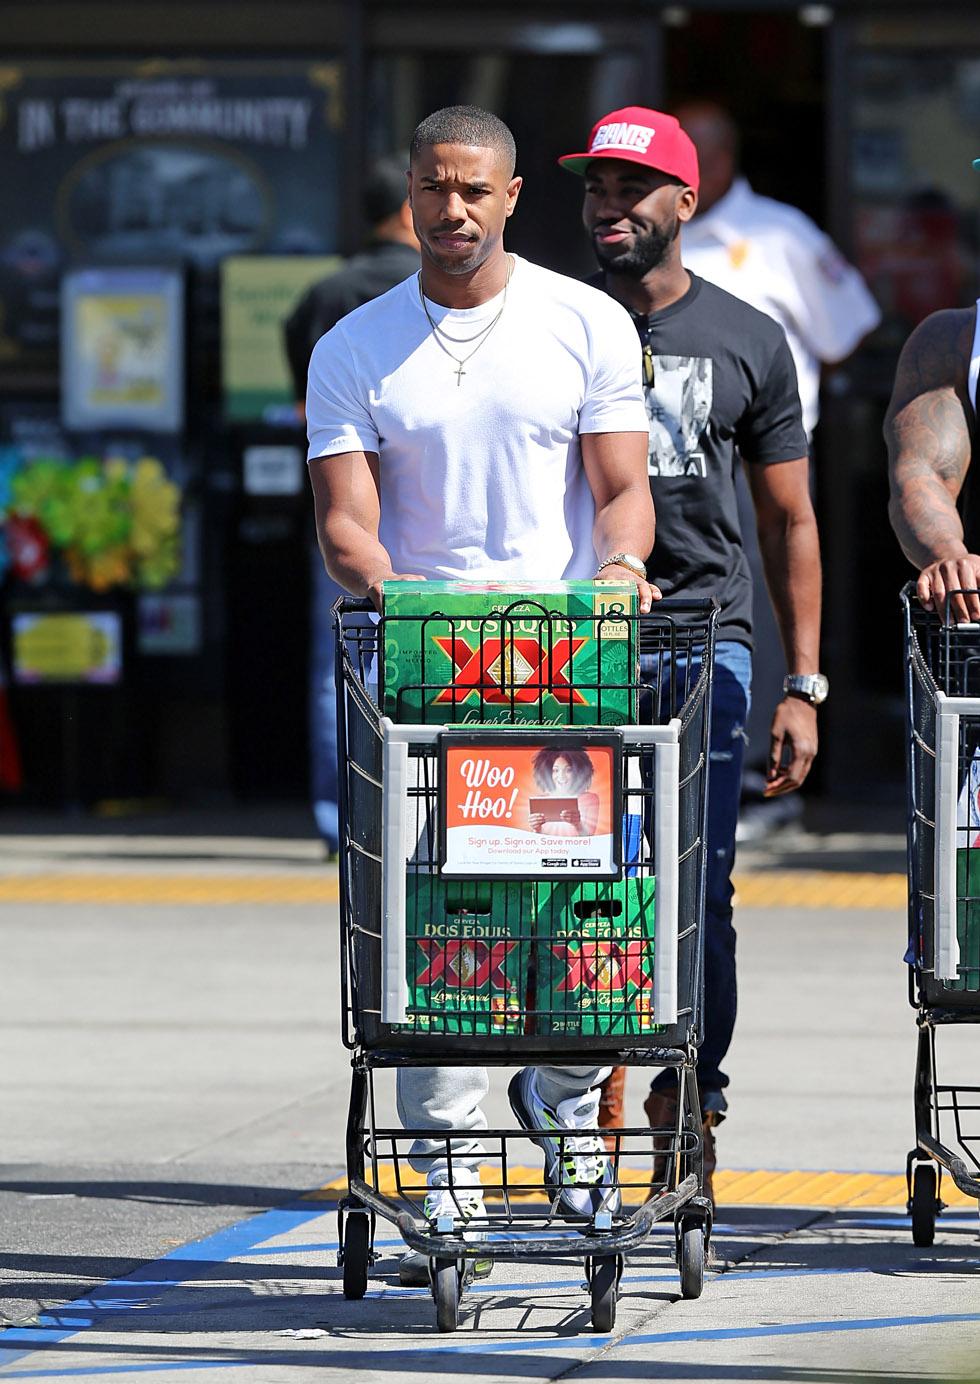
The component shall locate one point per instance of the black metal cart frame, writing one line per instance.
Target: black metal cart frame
(390, 856)
(942, 672)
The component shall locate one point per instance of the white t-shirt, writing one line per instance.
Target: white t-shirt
(771, 255)
(481, 479)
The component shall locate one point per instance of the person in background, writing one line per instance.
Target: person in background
(773, 256)
(719, 384)
(391, 255)
(932, 432)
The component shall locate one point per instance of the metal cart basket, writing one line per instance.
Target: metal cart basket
(942, 669)
(487, 981)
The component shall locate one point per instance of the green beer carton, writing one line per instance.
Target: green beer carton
(467, 951)
(594, 957)
(967, 919)
(482, 653)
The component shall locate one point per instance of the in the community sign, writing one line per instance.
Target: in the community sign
(182, 162)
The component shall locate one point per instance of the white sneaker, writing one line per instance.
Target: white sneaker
(460, 1204)
(576, 1167)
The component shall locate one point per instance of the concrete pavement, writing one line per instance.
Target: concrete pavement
(177, 1085)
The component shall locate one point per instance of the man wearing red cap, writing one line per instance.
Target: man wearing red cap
(720, 383)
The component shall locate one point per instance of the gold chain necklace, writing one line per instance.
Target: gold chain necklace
(483, 333)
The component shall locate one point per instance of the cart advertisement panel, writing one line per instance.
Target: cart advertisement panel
(531, 806)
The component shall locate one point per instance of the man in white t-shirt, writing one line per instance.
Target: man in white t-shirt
(484, 420)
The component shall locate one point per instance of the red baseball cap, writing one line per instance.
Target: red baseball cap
(640, 135)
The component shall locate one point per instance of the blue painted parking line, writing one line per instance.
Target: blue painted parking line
(250, 1237)
(733, 1333)
(737, 1333)
(145, 1283)
(88, 1370)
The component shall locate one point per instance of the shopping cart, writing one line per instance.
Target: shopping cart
(393, 874)
(942, 668)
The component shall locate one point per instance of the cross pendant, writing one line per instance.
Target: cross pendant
(460, 372)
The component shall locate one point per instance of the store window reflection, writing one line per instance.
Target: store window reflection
(916, 121)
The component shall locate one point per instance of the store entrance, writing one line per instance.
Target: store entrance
(767, 70)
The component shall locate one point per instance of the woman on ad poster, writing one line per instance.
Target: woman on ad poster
(566, 807)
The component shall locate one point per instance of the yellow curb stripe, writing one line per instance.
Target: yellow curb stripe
(833, 1190)
(759, 889)
(819, 889)
(169, 889)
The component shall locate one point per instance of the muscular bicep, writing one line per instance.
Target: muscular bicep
(346, 491)
(926, 428)
(615, 462)
(780, 492)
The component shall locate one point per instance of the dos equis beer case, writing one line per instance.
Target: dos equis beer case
(466, 956)
(594, 957)
(563, 654)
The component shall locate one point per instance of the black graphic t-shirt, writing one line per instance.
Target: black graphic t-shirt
(724, 384)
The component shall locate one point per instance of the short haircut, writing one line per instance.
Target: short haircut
(466, 125)
(385, 188)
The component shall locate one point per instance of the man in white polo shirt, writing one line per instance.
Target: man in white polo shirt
(483, 420)
(770, 254)
(773, 256)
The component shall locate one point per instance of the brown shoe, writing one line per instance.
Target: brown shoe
(710, 1156)
(611, 1104)
(661, 1111)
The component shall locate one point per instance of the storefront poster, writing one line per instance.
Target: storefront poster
(67, 647)
(122, 344)
(169, 623)
(257, 295)
(164, 161)
(527, 807)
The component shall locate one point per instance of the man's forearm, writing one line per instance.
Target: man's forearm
(625, 525)
(354, 557)
(924, 517)
(791, 560)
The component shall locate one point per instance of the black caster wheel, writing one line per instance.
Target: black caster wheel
(357, 1254)
(691, 1239)
(924, 1205)
(604, 1274)
(446, 1285)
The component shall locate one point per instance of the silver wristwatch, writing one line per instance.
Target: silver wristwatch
(630, 560)
(812, 687)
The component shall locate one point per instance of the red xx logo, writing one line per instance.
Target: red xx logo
(465, 962)
(510, 670)
(603, 965)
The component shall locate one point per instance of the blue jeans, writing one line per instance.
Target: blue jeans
(323, 701)
(730, 701)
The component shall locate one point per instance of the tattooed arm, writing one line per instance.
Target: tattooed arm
(929, 447)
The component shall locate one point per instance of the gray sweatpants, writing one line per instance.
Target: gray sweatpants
(449, 1098)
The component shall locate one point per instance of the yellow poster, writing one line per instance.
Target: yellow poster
(122, 345)
(258, 292)
(122, 360)
(67, 646)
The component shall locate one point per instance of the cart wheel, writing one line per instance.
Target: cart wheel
(690, 1257)
(604, 1283)
(445, 1292)
(357, 1254)
(924, 1205)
